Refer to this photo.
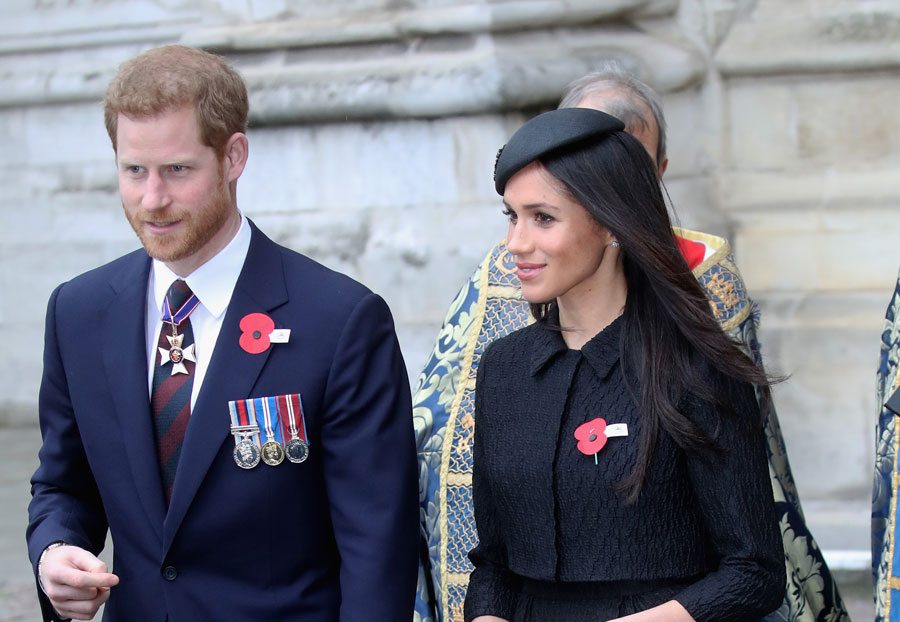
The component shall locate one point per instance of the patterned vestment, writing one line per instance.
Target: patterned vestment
(885, 564)
(490, 306)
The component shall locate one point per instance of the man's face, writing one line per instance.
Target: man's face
(174, 189)
(648, 136)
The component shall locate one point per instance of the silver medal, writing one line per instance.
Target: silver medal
(246, 454)
(297, 450)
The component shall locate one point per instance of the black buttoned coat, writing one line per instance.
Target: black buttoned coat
(546, 511)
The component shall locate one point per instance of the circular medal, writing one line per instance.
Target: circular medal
(273, 453)
(297, 450)
(246, 454)
(176, 355)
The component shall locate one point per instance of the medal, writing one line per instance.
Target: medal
(177, 354)
(246, 436)
(296, 448)
(246, 454)
(268, 429)
(272, 450)
(273, 453)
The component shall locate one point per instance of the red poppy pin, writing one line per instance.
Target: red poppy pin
(255, 331)
(591, 437)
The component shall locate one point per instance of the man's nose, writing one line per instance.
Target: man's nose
(156, 194)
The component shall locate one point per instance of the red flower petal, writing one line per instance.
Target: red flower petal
(591, 436)
(255, 328)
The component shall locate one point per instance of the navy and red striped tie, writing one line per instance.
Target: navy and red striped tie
(173, 380)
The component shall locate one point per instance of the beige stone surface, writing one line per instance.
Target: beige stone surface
(772, 36)
(828, 345)
(810, 250)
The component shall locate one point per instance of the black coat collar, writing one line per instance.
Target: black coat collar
(601, 352)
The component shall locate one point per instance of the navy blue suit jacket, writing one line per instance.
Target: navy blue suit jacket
(333, 538)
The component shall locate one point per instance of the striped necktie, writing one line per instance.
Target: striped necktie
(173, 380)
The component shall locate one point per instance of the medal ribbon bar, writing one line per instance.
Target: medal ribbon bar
(266, 411)
(287, 412)
(296, 447)
(241, 424)
(189, 305)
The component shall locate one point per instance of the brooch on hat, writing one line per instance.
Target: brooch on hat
(497, 159)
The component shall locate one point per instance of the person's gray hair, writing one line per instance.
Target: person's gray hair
(631, 93)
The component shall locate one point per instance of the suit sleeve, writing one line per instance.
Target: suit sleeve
(370, 468)
(735, 494)
(492, 588)
(65, 504)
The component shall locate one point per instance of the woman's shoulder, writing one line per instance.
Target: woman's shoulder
(510, 351)
(517, 341)
(723, 400)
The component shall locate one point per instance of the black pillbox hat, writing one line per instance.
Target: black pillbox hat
(549, 132)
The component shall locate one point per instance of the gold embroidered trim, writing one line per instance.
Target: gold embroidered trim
(450, 431)
(893, 582)
(459, 479)
(506, 291)
(459, 578)
(720, 287)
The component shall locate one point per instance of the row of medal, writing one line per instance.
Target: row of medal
(268, 429)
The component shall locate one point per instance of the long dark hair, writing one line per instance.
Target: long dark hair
(670, 338)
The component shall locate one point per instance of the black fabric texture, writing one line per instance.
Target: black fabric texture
(546, 512)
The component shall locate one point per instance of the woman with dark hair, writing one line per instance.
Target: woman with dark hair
(619, 457)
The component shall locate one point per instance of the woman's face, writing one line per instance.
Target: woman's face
(557, 246)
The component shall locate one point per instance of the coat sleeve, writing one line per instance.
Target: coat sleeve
(735, 494)
(492, 587)
(370, 468)
(65, 504)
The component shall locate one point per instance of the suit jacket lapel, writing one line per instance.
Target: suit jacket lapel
(231, 375)
(125, 359)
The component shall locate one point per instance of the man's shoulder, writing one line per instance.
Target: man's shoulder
(324, 294)
(308, 275)
(120, 271)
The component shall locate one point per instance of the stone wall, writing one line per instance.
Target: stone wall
(374, 129)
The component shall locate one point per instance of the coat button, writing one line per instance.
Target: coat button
(169, 573)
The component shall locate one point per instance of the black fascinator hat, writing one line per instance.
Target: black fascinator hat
(550, 132)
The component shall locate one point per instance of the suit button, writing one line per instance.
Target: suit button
(169, 573)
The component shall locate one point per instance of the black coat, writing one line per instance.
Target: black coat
(546, 511)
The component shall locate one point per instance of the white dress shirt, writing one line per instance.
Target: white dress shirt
(212, 283)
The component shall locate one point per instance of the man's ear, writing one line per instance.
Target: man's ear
(235, 158)
(662, 167)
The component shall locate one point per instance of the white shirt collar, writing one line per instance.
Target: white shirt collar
(214, 281)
